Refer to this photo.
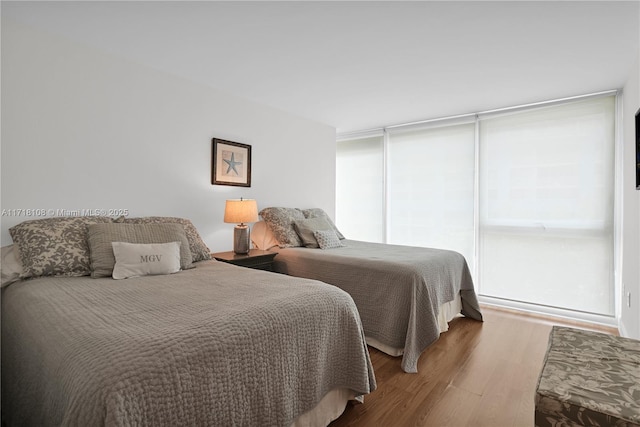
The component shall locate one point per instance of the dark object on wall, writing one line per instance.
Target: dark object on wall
(231, 163)
(638, 150)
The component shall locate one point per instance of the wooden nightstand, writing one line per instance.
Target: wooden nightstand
(256, 258)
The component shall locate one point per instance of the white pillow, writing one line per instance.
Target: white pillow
(142, 259)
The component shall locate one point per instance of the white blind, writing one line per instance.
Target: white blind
(431, 188)
(546, 206)
(360, 188)
(545, 181)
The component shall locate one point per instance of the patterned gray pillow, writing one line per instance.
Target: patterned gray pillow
(199, 250)
(280, 221)
(100, 237)
(54, 246)
(328, 239)
(319, 213)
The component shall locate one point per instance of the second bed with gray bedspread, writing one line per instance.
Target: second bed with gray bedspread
(398, 289)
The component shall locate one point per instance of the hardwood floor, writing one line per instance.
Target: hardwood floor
(476, 374)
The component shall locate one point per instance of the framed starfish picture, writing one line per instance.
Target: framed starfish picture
(231, 163)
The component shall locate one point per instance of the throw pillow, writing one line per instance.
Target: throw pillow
(328, 239)
(54, 246)
(306, 228)
(199, 250)
(101, 236)
(280, 221)
(319, 213)
(135, 260)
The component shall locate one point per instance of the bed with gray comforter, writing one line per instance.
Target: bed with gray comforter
(398, 289)
(217, 345)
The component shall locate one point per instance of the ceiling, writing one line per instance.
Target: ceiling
(360, 65)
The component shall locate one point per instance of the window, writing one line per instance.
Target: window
(360, 188)
(546, 206)
(430, 190)
(526, 195)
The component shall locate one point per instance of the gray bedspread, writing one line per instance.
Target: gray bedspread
(218, 345)
(398, 289)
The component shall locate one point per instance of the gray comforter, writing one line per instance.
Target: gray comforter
(217, 345)
(398, 289)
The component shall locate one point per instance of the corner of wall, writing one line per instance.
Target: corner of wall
(629, 315)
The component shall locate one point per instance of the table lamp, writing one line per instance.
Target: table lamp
(238, 212)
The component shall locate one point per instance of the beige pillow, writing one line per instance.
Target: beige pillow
(199, 250)
(10, 269)
(100, 237)
(306, 228)
(262, 237)
(320, 213)
(135, 260)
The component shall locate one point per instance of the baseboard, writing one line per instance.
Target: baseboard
(604, 323)
(622, 329)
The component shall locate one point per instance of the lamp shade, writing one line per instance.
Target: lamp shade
(240, 211)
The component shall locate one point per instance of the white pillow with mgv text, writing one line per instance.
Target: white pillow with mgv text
(137, 259)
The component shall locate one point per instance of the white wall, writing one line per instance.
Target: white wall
(630, 316)
(83, 129)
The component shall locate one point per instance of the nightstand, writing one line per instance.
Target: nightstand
(256, 258)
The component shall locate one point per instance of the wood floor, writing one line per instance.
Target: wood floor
(477, 374)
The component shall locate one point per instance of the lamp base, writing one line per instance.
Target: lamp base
(241, 240)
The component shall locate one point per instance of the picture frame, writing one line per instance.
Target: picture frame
(231, 163)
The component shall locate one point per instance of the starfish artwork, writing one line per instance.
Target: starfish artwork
(232, 164)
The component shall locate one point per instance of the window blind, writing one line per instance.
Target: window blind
(431, 187)
(546, 206)
(360, 188)
(532, 211)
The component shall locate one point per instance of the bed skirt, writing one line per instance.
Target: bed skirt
(448, 311)
(328, 409)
